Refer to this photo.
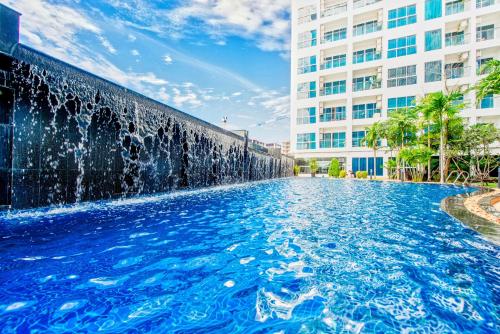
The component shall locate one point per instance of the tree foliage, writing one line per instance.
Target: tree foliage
(491, 83)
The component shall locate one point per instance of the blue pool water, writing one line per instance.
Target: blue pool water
(284, 256)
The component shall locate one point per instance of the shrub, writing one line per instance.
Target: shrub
(334, 168)
(313, 166)
(358, 174)
(361, 174)
(296, 170)
(342, 174)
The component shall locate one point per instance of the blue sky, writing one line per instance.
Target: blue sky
(209, 58)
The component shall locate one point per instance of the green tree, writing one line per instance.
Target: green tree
(473, 150)
(443, 110)
(491, 83)
(296, 170)
(334, 168)
(373, 138)
(313, 166)
(416, 158)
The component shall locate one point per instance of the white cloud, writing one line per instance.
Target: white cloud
(135, 53)
(236, 93)
(186, 97)
(167, 59)
(277, 105)
(107, 45)
(131, 38)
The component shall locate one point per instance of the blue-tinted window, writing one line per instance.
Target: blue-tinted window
(333, 61)
(402, 16)
(335, 35)
(306, 141)
(433, 40)
(362, 56)
(361, 111)
(487, 102)
(402, 102)
(334, 87)
(330, 114)
(402, 46)
(307, 65)
(357, 138)
(306, 116)
(433, 9)
(332, 140)
(306, 90)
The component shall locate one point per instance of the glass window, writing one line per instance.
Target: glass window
(333, 61)
(402, 76)
(402, 16)
(306, 90)
(485, 32)
(454, 70)
(357, 138)
(306, 141)
(307, 39)
(335, 35)
(480, 62)
(484, 3)
(330, 114)
(332, 140)
(402, 46)
(402, 102)
(306, 116)
(454, 7)
(367, 55)
(487, 102)
(433, 9)
(454, 38)
(365, 83)
(433, 40)
(307, 14)
(306, 65)
(362, 111)
(333, 87)
(433, 70)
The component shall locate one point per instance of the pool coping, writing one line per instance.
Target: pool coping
(455, 207)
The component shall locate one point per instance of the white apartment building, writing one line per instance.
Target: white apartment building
(355, 61)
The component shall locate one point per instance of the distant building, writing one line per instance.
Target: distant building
(285, 147)
(353, 62)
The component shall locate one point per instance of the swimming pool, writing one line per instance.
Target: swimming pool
(282, 256)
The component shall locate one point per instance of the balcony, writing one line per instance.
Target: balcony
(334, 35)
(455, 7)
(486, 33)
(484, 3)
(365, 83)
(456, 71)
(366, 28)
(363, 3)
(456, 38)
(333, 62)
(334, 9)
(364, 56)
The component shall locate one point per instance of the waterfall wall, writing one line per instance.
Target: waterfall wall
(76, 137)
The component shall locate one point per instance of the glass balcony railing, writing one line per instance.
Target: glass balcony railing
(334, 63)
(364, 3)
(367, 83)
(455, 7)
(336, 9)
(456, 71)
(456, 38)
(359, 57)
(484, 3)
(367, 28)
(332, 90)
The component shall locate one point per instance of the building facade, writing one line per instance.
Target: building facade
(353, 62)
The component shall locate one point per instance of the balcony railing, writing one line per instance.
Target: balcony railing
(333, 63)
(331, 91)
(456, 71)
(366, 85)
(367, 28)
(484, 3)
(334, 10)
(364, 3)
(366, 57)
(455, 7)
(456, 39)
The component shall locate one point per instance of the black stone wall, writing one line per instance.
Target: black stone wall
(76, 137)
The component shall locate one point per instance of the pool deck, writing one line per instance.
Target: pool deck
(477, 210)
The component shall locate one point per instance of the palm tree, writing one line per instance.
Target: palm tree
(372, 139)
(442, 109)
(491, 83)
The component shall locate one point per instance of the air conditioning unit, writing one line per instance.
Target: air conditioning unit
(464, 56)
(463, 24)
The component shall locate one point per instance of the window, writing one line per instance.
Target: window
(365, 83)
(485, 33)
(330, 114)
(402, 102)
(487, 102)
(332, 140)
(307, 14)
(403, 46)
(454, 70)
(402, 16)
(307, 65)
(334, 87)
(433, 9)
(458, 101)
(402, 76)
(480, 62)
(357, 138)
(306, 141)
(433, 70)
(365, 28)
(335, 35)
(333, 61)
(433, 40)
(454, 7)
(367, 55)
(307, 39)
(306, 116)
(484, 3)
(454, 38)
(334, 9)
(364, 3)
(370, 165)
(362, 111)
(306, 90)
